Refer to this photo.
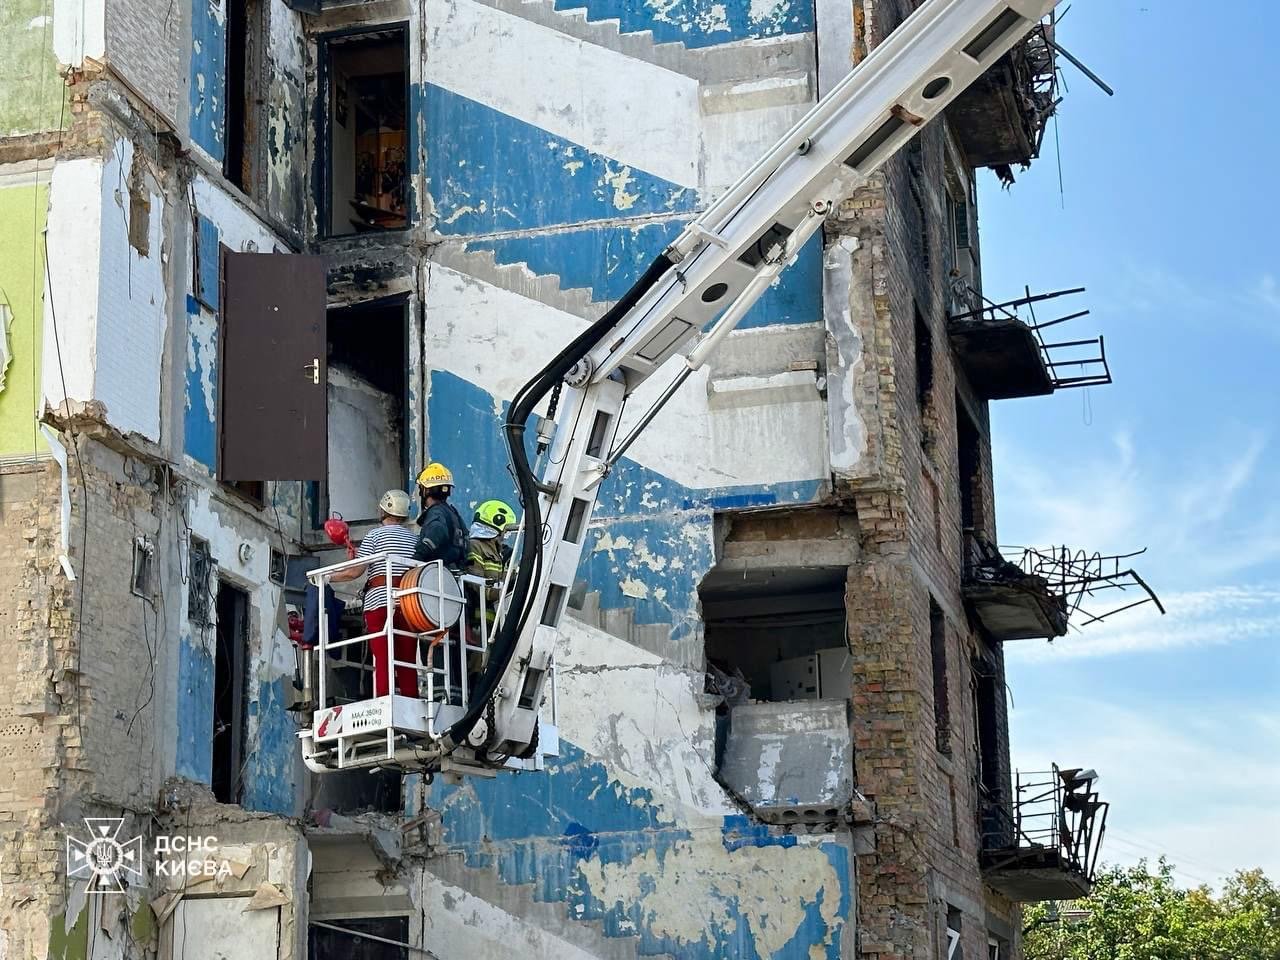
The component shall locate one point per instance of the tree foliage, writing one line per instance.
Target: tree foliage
(1137, 913)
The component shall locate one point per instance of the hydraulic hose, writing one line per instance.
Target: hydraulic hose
(529, 564)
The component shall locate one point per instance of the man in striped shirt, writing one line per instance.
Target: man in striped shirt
(396, 537)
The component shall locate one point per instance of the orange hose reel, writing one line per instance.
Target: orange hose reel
(414, 606)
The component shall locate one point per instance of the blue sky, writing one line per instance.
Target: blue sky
(1171, 218)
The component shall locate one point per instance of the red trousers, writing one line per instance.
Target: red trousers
(406, 648)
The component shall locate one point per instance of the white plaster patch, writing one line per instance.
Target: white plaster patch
(239, 230)
(637, 589)
(459, 924)
(618, 181)
(73, 239)
(641, 717)
(766, 11)
(133, 305)
(204, 335)
(847, 435)
(768, 886)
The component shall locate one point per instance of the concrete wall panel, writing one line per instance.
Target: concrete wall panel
(24, 202)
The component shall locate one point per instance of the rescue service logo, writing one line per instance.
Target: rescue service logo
(105, 860)
(108, 863)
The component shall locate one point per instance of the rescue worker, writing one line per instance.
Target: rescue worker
(443, 536)
(394, 536)
(487, 555)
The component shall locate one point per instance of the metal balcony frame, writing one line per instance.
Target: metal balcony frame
(1048, 817)
(1095, 370)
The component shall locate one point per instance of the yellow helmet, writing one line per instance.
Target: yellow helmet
(435, 475)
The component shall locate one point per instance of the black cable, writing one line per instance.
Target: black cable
(529, 568)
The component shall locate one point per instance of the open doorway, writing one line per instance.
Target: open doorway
(368, 406)
(780, 630)
(370, 938)
(229, 691)
(367, 130)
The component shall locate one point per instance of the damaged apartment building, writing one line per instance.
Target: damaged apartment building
(779, 692)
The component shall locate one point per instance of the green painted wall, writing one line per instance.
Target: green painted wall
(31, 91)
(22, 216)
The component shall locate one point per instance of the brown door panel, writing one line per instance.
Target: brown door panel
(273, 409)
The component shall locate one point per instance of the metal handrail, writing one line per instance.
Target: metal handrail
(1048, 817)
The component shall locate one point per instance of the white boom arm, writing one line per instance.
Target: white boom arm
(690, 299)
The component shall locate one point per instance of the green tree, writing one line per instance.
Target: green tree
(1137, 913)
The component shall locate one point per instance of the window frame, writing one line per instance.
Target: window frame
(323, 188)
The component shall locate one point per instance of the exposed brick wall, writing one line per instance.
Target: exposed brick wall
(39, 740)
(928, 832)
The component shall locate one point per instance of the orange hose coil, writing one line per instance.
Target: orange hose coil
(411, 608)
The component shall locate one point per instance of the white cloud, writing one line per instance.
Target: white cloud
(1207, 521)
(1196, 618)
(1152, 289)
(1267, 292)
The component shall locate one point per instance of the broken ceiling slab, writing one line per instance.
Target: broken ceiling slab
(1001, 357)
(1017, 608)
(792, 762)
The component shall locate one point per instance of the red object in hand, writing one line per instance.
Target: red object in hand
(295, 627)
(339, 533)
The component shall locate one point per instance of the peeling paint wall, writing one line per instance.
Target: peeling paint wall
(206, 84)
(287, 117)
(558, 165)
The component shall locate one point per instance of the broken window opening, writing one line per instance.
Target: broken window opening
(368, 441)
(941, 692)
(144, 552)
(780, 631)
(244, 31)
(778, 658)
(377, 791)
(199, 586)
(988, 709)
(325, 943)
(924, 383)
(230, 689)
(255, 491)
(279, 566)
(952, 950)
(917, 214)
(969, 457)
(366, 130)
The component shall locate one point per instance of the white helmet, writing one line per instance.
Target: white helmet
(395, 503)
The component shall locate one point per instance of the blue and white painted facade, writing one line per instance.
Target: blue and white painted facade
(554, 152)
(554, 157)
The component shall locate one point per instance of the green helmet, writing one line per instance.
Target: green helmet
(495, 514)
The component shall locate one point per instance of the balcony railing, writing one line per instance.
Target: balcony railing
(1046, 847)
(1005, 355)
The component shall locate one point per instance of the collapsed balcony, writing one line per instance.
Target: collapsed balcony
(1011, 603)
(1038, 596)
(1005, 356)
(1000, 120)
(1047, 847)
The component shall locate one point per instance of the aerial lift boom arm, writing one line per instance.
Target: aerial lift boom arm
(687, 301)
